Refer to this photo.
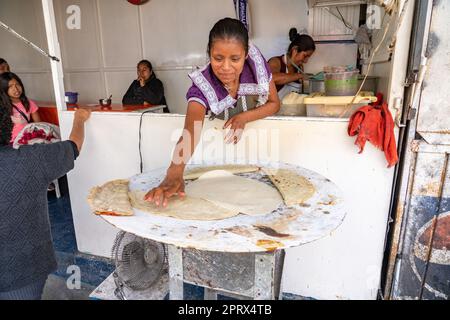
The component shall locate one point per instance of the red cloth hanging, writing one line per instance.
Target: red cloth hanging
(374, 123)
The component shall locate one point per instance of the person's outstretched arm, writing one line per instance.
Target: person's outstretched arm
(59, 158)
(77, 134)
(173, 183)
(280, 77)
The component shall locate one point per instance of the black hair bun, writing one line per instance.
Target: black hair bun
(293, 34)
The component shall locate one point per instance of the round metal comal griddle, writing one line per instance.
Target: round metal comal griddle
(283, 228)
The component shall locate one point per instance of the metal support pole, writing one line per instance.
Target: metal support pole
(175, 273)
(54, 50)
(264, 276)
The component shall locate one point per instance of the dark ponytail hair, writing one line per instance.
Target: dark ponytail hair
(301, 42)
(5, 78)
(6, 124)
(228, 28)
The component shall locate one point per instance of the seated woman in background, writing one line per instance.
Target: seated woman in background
(4, 66)
(23, 110)
(146, 89)
(285, 68)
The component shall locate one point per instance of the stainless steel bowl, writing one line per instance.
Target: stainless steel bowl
(316, 85)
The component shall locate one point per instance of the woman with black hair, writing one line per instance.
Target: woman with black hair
(23, 110)
(288, 68)
(146, 89)
(235, 86)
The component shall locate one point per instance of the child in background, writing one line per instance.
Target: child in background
(14, 99)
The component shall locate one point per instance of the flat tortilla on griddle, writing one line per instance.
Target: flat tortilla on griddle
(194, 173)
(187, 208)
(294, 188)
(248, 196)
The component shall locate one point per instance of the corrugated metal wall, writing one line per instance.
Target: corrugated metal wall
(423, 271)
(419, 265)
(334, 23)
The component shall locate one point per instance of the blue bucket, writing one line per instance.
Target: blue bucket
(71, 97)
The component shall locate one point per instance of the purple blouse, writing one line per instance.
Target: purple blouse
(207, 90)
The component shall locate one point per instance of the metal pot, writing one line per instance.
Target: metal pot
(313, 85)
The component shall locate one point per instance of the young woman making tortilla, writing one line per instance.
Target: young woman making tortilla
(235, 86)
(284, 68)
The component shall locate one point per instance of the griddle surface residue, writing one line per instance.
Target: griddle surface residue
(271, 232)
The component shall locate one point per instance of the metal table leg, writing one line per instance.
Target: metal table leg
(267, 276)
(209, 294)
(268, 270)
(175, 272)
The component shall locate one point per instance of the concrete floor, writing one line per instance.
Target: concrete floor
(93, 269)
(56, 289)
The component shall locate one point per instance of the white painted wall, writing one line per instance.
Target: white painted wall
(335, 54)
(26, 18)
(345, 265)
(271, 21)
(100, 58)
(392, 73)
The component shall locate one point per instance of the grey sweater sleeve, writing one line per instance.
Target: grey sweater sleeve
(56, 158)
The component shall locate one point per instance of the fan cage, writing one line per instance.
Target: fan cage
(139, 262)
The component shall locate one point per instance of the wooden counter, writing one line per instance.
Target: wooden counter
(49, 113)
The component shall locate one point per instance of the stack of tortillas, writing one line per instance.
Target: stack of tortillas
(217, 193)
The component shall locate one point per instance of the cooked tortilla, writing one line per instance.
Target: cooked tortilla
(111, 199)
(294, 188)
